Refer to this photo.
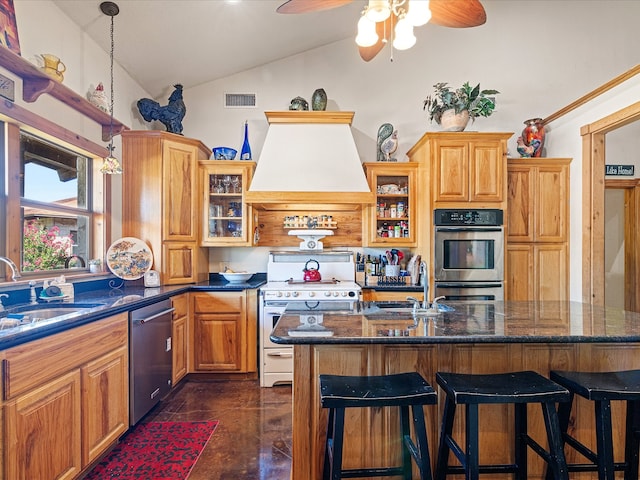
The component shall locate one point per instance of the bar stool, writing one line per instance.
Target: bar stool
(404, 390)
(519, 388)
(601, 388)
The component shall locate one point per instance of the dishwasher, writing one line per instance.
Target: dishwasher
(150, 357)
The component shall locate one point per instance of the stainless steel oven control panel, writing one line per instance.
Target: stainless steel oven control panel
(458, 217)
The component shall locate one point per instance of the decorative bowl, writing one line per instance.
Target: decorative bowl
(224, 153)
(236, 277)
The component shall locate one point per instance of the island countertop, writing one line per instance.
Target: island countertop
(496, 322)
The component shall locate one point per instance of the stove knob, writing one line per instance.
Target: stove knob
(344, 294)
(287, 294)
(312, 294)
(327, 293)
(278, 294)
(335, 294)
(295, 294)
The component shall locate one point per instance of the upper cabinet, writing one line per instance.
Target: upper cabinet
(391, 221)
(463, 168)
(160, 203)
(468, 167)
(226, 215)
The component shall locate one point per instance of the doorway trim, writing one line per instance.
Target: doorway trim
(593, 186)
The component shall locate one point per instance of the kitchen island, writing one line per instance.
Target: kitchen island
(473, 338)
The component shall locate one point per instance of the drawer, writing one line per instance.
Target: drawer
(181, 305)
(278, 360)
(219, 302)
(35, 363)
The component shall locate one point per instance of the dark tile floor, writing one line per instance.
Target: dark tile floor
(253, 438)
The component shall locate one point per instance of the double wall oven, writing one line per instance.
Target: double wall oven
(469, 254)
(286, 289)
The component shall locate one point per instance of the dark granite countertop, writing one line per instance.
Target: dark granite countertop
(499, 322)
(107, 297)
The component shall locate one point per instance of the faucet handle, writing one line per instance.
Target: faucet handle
(416, 302)
(435, 301)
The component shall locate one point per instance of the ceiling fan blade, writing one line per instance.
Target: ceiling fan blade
(383, 30)
(308, 6)
(457, 13)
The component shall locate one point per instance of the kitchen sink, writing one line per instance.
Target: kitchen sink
(393, 310)
(36, 313)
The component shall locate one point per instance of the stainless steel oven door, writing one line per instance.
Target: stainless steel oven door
(469, 254)
(471, 292)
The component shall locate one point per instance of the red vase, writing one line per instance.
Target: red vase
(533, 136)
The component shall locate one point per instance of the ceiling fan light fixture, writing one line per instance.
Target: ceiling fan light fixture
(367, 35)
(403, 38)
(378, 10)
(419, 12)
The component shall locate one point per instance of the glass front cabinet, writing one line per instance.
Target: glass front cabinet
(226, 215)
(391, 221)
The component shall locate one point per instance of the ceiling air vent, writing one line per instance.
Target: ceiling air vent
(240, 100)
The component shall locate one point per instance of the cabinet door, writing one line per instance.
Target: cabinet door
(179, 346)
(487, 172)
(226, 215)
(220, 332)
(520, 192)
(180, 262)
(179, 169)
(105, 402)
(552, 279)
(392, 220)
(519, 283)
(43, 431)
(551, 200)
(451, 176)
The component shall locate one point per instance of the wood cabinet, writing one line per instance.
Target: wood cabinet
(179, 337)
(161, 204)
(226, 216)
(468, 167)
(225, 332)
(61, 411)
(392, 220)
(370, 295)
(537, 229)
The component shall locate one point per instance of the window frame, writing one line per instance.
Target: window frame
(24, 120)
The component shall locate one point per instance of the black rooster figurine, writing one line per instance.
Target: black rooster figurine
(170, 115)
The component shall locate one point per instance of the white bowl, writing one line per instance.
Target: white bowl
(236, 277)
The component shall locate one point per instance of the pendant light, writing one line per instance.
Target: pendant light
(111, 165)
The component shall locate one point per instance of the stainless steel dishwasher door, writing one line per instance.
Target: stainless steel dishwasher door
(149, 358)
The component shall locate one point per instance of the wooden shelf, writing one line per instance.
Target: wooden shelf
(35, 83)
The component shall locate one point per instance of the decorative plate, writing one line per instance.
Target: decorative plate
(129, 258)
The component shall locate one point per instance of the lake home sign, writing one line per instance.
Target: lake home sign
(620, 170)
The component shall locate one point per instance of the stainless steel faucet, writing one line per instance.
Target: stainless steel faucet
(424, 277)
(15, 274)
(33, 298)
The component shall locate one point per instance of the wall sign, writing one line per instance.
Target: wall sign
(619, 170)
(7, 88)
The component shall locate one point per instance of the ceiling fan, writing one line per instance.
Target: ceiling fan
(446, 13)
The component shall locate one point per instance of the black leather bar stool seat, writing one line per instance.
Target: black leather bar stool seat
(404, 390)
(601, 388)
(519, 388)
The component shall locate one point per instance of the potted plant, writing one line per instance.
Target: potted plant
(448, 105)
(95, 265)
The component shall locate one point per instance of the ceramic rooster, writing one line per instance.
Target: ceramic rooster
(170, 115)
(527, 151)
(98, 98)
(387, 142)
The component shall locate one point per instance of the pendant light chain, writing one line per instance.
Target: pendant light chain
(111, 79)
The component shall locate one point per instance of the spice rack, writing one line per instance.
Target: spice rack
(309, 221)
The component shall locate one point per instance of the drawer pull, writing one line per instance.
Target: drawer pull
(280, 354)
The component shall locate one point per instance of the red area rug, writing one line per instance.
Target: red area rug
(156, 451)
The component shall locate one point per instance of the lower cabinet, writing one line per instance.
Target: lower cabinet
(63, 411)
(224, 332)
(537, 271)
(369, 295)
(179, 336)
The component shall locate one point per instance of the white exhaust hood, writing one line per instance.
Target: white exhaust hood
(309, 157)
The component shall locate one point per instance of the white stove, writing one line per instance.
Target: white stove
(286, 289)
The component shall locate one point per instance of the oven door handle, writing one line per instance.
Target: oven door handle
(468, 229)
(468, 285)
(280, 354)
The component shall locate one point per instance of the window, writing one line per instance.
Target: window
(56, 206)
